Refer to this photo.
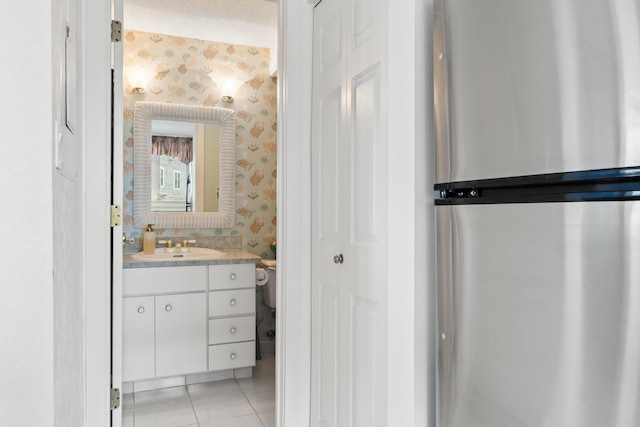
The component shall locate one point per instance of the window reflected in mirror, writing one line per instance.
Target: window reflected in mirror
(184, 166)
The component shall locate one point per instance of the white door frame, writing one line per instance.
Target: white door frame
(293, 208)
(117, 10)
(409, 374)
(293, 323)
(293, 345)
(97, 236)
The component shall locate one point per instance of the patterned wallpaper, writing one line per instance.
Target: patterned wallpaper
(190, 71)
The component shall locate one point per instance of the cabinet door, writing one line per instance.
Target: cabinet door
(181, 334)
(138, 338)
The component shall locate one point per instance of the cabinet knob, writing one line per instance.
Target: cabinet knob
(233, 330)
(140, 309)
(233, 276)
(338, 259)
(168, 307)
(233, 301)
(232, 356)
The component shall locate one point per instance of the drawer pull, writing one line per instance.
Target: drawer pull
(140, 309)
(233, 330)
(232, 356)
(168, 307)
(233, 276)
(233, 302)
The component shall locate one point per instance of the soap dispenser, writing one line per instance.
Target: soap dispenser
(149, 244)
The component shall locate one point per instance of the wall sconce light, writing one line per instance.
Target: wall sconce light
(229, 87)
(138, 79)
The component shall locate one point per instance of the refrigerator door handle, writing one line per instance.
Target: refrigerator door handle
(445, 316)
(441, 97)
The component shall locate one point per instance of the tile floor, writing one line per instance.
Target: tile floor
(246, 402)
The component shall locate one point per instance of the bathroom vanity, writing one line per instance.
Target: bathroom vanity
(188, 316)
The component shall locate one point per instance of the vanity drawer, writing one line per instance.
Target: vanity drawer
(230, 356)
(232, 302)
(230, 276)
(154, 280)
(232, 329)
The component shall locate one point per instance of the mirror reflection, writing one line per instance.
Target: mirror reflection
(184, 166)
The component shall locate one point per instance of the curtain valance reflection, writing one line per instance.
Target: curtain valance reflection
(179, 147)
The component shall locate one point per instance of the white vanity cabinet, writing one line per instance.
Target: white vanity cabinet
(232, 316)
(187, 319)
(164, 321)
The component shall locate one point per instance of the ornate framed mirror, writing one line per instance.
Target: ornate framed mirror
(151, 115)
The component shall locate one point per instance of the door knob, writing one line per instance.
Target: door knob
(140, 309)
(168, 307)
(338, 259)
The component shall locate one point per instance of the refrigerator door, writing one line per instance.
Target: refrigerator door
(539, 315)
(534, 87)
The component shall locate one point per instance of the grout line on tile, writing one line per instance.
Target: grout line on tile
(261, 420)
(193, 408)
(255, 412)
(250, 403)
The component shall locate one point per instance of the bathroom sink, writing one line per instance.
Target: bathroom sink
(176, 254)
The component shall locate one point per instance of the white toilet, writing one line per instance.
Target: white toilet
(270, 287)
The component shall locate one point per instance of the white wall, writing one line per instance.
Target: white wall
(26, 308)
(42, 387)
(68, 291)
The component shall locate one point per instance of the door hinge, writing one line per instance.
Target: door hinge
(116, 31)
(115, 215)
(114, 399)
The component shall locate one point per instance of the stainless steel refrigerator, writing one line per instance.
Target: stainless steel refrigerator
(538, 212)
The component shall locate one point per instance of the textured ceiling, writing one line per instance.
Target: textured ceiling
(257, 12)
(248, 22)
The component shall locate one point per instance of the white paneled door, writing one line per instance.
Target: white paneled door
(349, 216)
